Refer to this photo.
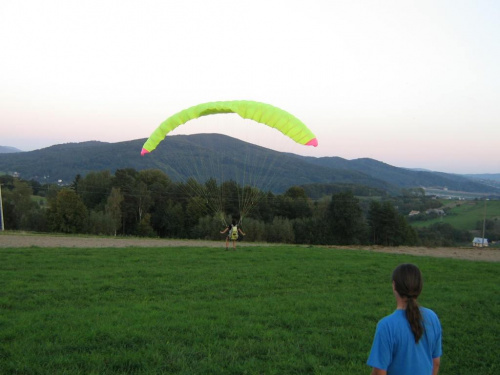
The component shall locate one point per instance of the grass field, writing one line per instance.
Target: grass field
(465, 214)
(261, 310)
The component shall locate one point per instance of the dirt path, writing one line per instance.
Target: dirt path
(29, 240)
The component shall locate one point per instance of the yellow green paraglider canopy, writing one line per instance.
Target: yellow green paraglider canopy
(266, 114)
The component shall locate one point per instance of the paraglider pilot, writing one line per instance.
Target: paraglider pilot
(232, 231)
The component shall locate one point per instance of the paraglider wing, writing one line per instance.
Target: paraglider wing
(266, 114)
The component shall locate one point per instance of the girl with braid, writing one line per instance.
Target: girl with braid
(409, 340)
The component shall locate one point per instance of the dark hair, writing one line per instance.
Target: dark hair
(408, 283)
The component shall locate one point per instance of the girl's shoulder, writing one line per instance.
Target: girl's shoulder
(428, 313)
(396, 316)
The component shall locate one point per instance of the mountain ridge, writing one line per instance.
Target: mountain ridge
(8, 150)
(177, 154)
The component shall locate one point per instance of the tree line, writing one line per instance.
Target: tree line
(148, 203)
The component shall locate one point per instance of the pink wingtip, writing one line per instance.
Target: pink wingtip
(312, 142)
(144, 152)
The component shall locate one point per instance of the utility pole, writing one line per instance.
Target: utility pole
(484, 222)
(1, 209)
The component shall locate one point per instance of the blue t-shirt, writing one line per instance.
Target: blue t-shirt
(394, 348)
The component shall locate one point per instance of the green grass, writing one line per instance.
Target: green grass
(279, 310)
(465, 214)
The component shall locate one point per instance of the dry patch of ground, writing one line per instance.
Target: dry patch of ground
(39, 240)
(42, 240)
(469, 253)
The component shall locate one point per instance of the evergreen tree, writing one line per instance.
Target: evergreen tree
(345, 219)
(294, 204)
(94, 189)
(388, 227)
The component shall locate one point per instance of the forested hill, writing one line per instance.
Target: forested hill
(180, 157)
(405, 178)
(8, 150)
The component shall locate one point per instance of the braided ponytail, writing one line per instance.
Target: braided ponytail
(408, 283)
(414, 318)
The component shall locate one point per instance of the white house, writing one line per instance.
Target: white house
(480, 242)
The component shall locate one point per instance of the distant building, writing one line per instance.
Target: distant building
(480, 242)
(413, 213)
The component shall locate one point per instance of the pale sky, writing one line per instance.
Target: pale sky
(410, 83)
